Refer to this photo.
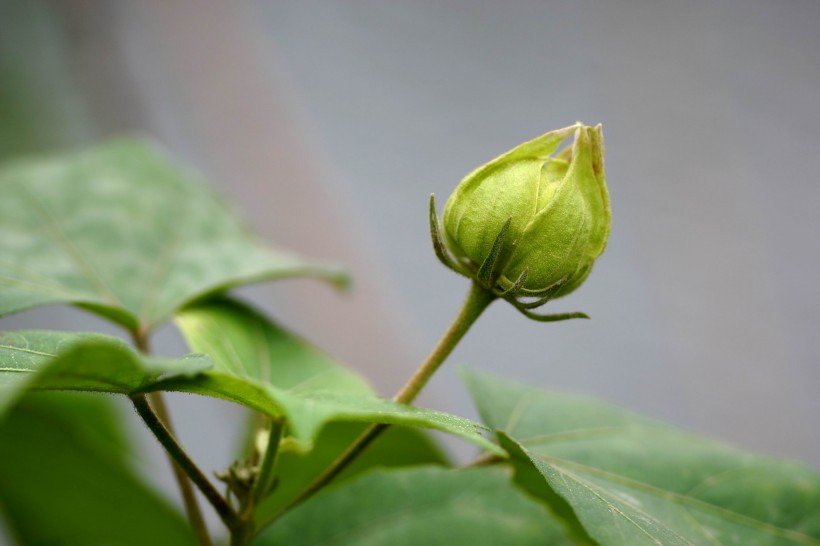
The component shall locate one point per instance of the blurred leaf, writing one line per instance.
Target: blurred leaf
(397, 447)
(98, 421)
(81, 362)
(631, 480)
(123, 230)
(244, 343)
(63, 483)
(262, 366)
(419, 506)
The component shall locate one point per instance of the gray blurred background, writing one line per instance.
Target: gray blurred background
(329, 123)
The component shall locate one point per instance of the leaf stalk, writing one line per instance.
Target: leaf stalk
(181, 458)
(159, 410)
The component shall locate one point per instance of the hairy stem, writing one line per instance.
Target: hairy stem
(192, 509)
(181, 458)
(477, 301)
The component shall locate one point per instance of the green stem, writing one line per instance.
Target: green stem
(192, 510)
(478, 299)
(242, 534)
(181, 458)
(264, 477)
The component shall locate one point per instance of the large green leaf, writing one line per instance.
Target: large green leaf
(632, 481)
(262, 366)
(397, 447)
(430, 506)
(81, 362)
(65, 482)
(123, 230)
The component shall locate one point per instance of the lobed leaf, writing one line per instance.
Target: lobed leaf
(630, 480)
(124, 231)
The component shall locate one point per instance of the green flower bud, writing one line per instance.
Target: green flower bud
(531, 223)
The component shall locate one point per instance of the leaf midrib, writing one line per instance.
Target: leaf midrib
(697, 504)
(595, 490)
(27, 350)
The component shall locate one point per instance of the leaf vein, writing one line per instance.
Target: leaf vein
(73, 253)
(556, 462)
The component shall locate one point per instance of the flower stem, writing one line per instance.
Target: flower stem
(478, 299)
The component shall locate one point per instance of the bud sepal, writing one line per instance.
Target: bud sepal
(515, 294)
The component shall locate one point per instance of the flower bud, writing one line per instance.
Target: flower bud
(530, 223)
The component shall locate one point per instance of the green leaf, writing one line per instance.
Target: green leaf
(478, 507)
(632, 481)
(63, 482)
(397, 447)
(124, 231)
(81, 362)
(262, 366)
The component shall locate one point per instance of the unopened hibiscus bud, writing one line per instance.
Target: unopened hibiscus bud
(530, 224)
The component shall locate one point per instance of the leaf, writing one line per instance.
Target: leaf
(62, 482)
(81, 362)
(397, 447)
(262, 366)
(477, 506)
(124, 231)
(632, 481)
